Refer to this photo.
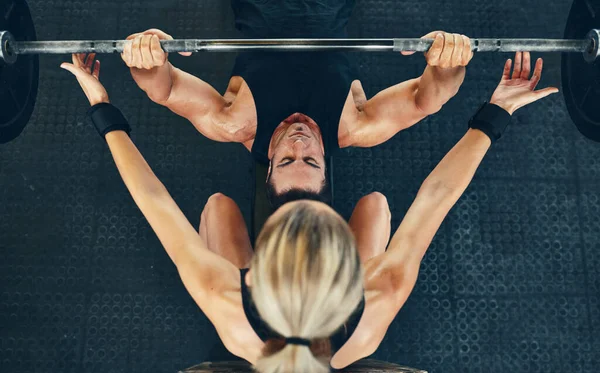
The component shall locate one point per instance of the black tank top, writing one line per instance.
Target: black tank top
(314, 83)
(264, 332)
(258, 19)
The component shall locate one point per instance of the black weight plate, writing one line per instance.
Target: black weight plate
(581, 80)
(363, 366)
(19, 81)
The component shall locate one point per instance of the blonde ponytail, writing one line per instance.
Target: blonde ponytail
(306, 282)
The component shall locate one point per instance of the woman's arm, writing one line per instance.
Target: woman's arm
(178, 236)
(394, 274)
(436, 197)
(391, 277)
(201, 270)
(448, 181)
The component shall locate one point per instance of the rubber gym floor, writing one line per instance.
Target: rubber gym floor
(511, 283)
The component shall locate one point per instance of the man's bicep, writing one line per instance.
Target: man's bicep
(192, 96)
(387, 113)
(202, 105)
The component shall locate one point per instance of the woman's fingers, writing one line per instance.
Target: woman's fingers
(537, 73)
(545, 92)
(507, 68)
(96, 72)
(89, 62)
(72, 69)
(78, 59)
(526, 70)
(518, 64)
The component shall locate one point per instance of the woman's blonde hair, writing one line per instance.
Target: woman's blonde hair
(306, 282)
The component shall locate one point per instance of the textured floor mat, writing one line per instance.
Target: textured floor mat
(511, 282)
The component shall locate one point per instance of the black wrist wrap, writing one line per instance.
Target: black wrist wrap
(107, 118)
(492, 120)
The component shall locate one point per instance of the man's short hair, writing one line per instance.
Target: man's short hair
(295, 194)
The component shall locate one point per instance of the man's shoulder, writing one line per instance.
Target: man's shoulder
(239, 115)
(351, 115)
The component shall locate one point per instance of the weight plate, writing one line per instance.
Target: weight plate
(363, 366)
(18, 81)
(580, 79)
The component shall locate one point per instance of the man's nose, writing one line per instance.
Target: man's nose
(299, 127)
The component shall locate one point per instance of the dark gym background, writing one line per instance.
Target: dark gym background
(510, 284)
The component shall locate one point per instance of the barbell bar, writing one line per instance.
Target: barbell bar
(19, 60)
(11, 48)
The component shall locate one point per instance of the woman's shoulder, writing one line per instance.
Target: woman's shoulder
(377, 316)
(226, 313)
(380, 310)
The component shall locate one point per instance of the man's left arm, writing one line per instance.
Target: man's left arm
(405, 104)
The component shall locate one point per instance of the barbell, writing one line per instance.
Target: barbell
(11, 48)
(19, 64)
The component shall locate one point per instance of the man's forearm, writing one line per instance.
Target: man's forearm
(456, 170)
(157, 83)
(438, 86)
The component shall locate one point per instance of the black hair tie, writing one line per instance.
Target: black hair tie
(297, 341)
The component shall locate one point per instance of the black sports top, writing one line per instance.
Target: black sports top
(314, 83)
(264, 332)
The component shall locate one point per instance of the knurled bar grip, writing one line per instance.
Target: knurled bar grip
(233, 45)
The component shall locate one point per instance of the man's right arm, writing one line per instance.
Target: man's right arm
(183, 93)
